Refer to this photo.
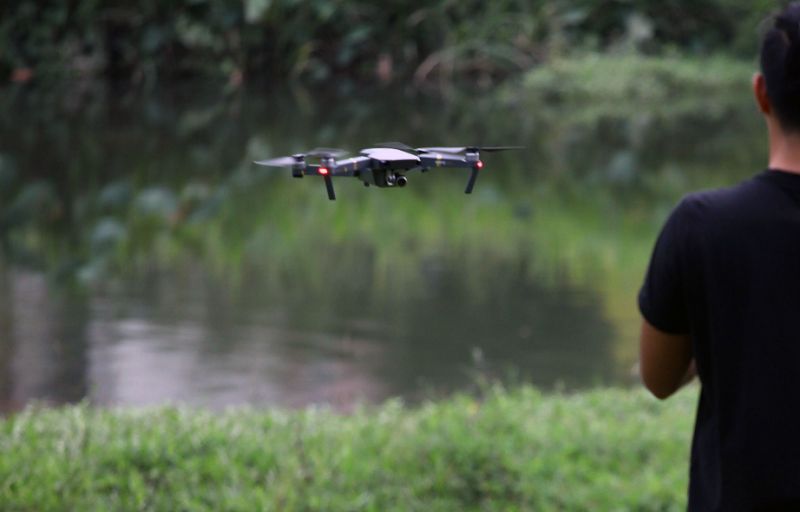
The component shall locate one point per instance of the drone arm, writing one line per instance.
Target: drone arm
(445, 160)
(352, 166)
(432, 160)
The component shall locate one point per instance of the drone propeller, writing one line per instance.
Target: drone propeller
(327, 153)
(398, 145)
(469, 149)
(299, 158)
(494, 149)
(284, 161)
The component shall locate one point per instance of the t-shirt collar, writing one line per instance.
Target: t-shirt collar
(786, 179)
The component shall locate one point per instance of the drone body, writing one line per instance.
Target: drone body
(384, 165)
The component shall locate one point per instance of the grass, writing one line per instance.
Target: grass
(514, 449)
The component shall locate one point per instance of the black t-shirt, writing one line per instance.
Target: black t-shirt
(726, 270)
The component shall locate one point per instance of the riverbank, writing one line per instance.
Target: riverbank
(517, 449)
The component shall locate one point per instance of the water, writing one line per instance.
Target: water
(145, 260)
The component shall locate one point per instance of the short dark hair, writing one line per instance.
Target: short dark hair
(780, 65)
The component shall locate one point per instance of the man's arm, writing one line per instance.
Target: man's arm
(665, 360)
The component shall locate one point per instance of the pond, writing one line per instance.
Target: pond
(145, 260)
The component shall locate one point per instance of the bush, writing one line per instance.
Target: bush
(510, 450)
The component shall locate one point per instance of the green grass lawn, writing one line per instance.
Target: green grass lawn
(517, 449)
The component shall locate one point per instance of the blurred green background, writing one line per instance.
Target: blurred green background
(144, 258)
(274, 40)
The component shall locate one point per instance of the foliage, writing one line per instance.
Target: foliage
(150, 40)
(157, 198)
(632, 79)
(170, 187)
(508, 450)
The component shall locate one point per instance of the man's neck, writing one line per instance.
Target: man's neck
(784, 152)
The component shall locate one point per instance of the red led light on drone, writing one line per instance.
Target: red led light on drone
(479, 164)
(323, 171)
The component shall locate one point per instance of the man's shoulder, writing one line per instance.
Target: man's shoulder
(721, 202)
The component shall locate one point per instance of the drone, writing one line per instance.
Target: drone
(385, 165)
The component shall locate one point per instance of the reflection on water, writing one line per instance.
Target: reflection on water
(144, 260)
(43, 343)
(184, 341)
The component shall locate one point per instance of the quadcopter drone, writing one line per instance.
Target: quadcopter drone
(384, 165)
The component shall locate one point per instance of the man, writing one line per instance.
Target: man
(722, 295)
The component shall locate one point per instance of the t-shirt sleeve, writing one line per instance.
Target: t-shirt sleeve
(662, 299)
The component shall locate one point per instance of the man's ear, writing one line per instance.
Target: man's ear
(760, 92)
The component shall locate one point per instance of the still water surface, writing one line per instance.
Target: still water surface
(145, 260)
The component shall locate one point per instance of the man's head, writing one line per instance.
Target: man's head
(777, 87)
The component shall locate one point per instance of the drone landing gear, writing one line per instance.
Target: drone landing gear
(329, 186)
(473, 177)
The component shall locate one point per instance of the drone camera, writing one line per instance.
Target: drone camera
(402, 181)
